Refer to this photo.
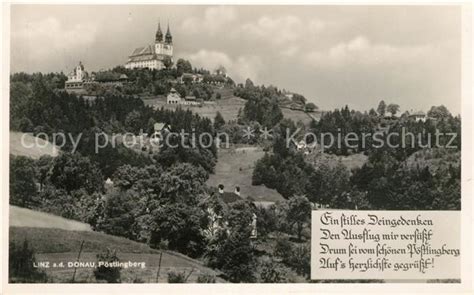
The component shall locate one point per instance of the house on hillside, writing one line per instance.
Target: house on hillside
(190, 78)
(77, 79)
(218, 204)
(173, 97)
(190, 100)
(303, 147)
(229, 197)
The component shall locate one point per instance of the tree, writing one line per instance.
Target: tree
(218, 121)
(299, 212)
(110, 274)
(21, 261)
(299, 99)
(133, 121)
(73, 171)
(179, 225)
(22, 181)
(120, 213)
(249, 83)
(231, 251)
(439, 112)
(300, 260)
(393, 108)
(381, 108)
(183, 66)
(328, 180)
(167, 62)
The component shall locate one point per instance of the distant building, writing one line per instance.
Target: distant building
(190, 77)
(220, 71)
(153, 56)
(77, 78)
(418, 116)
(226, 199)
(229, 197)
(173, 97)
(190, 100)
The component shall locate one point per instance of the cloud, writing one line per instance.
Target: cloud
(47, 37)
(360, 51)
(239, 68)
(283, 32)
(214, 20)
(284, 29)
(290, 51)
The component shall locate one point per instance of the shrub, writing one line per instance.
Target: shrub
(176, 277)
(206, 278)
(138, 280)
(110, 274)
(299, 259)
(272, 272)
(283, 247)
(21, 265)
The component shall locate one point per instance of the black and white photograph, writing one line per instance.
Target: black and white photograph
(222, 144)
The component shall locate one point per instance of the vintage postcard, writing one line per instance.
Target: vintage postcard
(248, 148)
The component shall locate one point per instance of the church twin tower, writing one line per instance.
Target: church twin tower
(153, 56)
(163, 46)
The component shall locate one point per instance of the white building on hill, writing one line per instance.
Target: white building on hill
(153, 56)
(173, 97)
(76, 79)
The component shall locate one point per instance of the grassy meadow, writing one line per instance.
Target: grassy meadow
(235, 168)
(59, 241)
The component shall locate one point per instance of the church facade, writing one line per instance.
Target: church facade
(153, 56)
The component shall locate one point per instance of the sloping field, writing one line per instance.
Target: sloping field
(435, 159)
(58, 245)
(23, 217)
(229, 107)
(354, 161)
(297, 115)
(235, 168)
(56, 239)
(30, 146)
(351, 162)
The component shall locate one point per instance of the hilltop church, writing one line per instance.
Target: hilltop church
(153, 56)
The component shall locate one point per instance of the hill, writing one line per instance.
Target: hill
(57, 239)
(23, 217)
(39, 147)
(435, 159)
(229, 107)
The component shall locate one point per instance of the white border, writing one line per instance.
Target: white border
(412, 288)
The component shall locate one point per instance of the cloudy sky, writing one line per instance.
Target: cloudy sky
(334, 55)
